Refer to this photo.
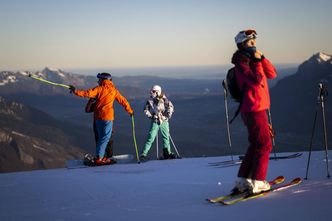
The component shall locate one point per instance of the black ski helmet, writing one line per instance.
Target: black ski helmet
(104, 75)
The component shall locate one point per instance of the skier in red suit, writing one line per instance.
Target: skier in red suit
(252, 69)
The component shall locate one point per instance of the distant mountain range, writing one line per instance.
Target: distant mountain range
(31, 139)
(197, 127)
(294, 102)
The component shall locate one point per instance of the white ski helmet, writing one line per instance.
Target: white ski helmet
(155, 91)
(244, 35)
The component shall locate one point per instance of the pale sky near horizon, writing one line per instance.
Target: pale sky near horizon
(152, 33)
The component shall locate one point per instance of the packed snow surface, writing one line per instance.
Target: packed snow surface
(163, 190)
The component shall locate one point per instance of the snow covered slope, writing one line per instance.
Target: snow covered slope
(162, 190)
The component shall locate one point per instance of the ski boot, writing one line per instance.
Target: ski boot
(168, 155)
(143, 158)
(259, 186)
(88, 160)
(242, 185)
(103, 161)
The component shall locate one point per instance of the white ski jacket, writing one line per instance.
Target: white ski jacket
(159, 109)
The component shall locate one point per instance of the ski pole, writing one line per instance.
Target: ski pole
(48, 82)
(310, 147)
(176, 150)
(323, 93)
(134, 137)
(272, 136)
(157, 145)
(227, 118)
(320, 104)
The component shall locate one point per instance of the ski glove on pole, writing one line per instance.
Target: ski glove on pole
(71, 88)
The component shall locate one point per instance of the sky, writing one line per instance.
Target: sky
(81, 34)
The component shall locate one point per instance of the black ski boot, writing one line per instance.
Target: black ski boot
(168, 155)
(143, 158)
(89, 160)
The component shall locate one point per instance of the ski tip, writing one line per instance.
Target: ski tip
(210, 200)
(279, 179)
(297, 180)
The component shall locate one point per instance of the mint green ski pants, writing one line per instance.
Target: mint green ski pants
(164, 130)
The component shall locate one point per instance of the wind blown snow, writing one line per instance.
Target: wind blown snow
(162, 190)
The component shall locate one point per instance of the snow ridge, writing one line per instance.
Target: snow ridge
(8, 79)
(321, 57)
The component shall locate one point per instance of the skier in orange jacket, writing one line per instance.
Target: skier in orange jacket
(105, 93)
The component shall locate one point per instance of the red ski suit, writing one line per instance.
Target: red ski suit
(252, 74)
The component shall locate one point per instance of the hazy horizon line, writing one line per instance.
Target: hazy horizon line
(94, 70)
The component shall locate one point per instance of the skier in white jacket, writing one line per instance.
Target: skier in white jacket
(159, 109)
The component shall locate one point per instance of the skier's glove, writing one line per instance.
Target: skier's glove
(71, 88)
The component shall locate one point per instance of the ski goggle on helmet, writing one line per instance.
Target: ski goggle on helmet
(155, 91)
(104, 75)
(245, 35)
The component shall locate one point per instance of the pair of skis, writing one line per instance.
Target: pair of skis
(88, 160)
(229, 163)
(232, 199)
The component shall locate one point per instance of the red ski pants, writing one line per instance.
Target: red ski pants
(255, 162)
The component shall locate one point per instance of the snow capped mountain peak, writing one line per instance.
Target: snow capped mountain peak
(51, 69)
(6, 78)
(54, 71)
(23, 73)
(321, 57)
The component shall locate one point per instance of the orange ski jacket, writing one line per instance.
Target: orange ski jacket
(105, 94)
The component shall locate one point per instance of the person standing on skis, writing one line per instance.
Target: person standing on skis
(159, 109)
(89, 108)
(252, 69)
(105, 94)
